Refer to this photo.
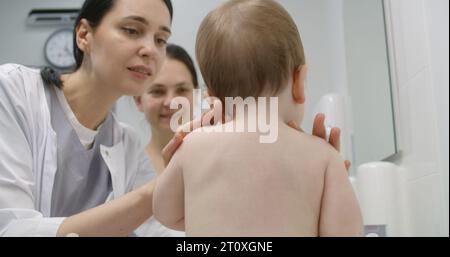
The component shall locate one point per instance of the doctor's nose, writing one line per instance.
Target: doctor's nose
(148, 50)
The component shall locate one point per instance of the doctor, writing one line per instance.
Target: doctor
(62, 152)
(66, 164)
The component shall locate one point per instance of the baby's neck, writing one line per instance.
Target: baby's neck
(262, 109)
(254, 117)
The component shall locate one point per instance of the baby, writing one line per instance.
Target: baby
(222, 183)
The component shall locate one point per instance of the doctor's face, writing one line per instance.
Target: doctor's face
(127, 49)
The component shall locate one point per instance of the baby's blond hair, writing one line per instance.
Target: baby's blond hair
(247, 48)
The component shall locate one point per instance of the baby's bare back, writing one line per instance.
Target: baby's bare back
(235, 186)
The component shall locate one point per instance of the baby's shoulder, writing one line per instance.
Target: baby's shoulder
(216, 137)
(312, 144)
(200, 137)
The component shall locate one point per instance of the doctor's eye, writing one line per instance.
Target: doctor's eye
(130, 31)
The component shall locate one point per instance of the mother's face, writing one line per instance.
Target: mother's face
(174, 80)
(127, 49)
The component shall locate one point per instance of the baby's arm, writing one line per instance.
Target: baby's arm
(168, 196)
(340, 214)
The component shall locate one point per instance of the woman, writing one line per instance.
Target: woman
(177, 78)
(63, 153)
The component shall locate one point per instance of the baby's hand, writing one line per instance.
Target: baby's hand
(319, 131)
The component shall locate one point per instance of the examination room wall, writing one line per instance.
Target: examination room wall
(21, 43)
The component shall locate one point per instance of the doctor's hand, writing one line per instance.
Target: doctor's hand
(320, 131)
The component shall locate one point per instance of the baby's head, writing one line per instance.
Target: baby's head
(252, 48)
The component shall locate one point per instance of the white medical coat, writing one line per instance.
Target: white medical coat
(28, 156)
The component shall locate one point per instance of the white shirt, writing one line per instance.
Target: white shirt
(85, 135)
(28, 156)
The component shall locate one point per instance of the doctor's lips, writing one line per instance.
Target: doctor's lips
(141, 72)
(166, 115)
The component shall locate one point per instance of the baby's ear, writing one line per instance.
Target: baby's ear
(138, 102)
(298, 84)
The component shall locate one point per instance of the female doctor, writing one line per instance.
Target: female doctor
(63, 153)
(66, 164)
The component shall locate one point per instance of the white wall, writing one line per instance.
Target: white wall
(437, 24)
(421, 42)
(20, 43)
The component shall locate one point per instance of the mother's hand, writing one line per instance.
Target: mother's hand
(320, 131)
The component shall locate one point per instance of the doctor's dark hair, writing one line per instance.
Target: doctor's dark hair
(93, 11)
(177, 53)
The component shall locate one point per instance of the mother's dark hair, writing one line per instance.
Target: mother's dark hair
(178, 53)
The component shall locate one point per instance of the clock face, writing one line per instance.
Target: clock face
(59, 49)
